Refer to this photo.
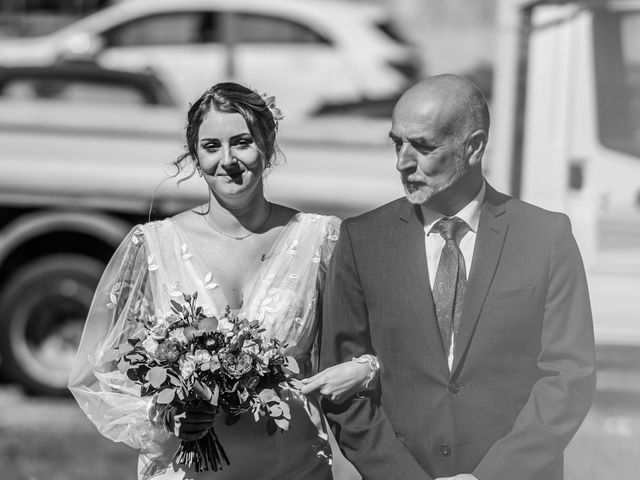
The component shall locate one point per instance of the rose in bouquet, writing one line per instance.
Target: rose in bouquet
(184, 357)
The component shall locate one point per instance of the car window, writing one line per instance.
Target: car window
(176, 28)
(71, 91)
(617, 58)
(252, 28)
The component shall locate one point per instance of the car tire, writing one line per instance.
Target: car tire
(43, 308)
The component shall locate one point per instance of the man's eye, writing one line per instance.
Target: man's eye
(423, 148)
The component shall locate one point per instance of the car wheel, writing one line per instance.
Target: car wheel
(43, 308)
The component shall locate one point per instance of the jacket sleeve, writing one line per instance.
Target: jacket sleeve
(560, 399)
(362, 429)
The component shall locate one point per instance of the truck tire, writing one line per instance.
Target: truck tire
(43, 307)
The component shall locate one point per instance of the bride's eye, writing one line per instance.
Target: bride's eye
(211, 146)
(244, 143)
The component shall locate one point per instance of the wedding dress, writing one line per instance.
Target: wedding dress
(155, 262)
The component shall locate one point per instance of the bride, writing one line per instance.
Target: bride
(238, 251)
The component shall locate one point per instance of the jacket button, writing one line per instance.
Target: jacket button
(445, 450)
(454, 388)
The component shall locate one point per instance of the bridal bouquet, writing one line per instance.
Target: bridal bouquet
(184, 357)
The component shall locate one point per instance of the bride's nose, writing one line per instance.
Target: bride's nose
(227, 157)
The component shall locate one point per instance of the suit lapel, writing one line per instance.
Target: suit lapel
(413, 262)
(492, 230)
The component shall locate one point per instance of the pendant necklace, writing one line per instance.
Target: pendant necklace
(237, 237)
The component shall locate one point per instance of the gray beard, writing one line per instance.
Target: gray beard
(423, 193)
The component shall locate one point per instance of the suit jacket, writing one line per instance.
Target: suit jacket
(523, 376)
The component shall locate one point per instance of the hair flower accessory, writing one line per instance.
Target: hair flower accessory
(270, 101)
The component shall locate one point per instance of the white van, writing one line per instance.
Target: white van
(566, 137)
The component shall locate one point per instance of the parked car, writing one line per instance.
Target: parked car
(82, 82)
(86, 154)
(306, 53)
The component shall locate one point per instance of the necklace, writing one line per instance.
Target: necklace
(238, 237)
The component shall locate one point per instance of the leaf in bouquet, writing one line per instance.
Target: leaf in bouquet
(157, 376)
(166, 396)
(175, 380)
(176, 307)
(272, 428)
(283, 423)
(133, 374)
(123, 366)
(215, 399)
(268, 395)
(146, 390)
(125, 348)
(111, 355)
(135, 358)
(208, 324)
(243, 395)
(286, 411)
(275, 410)
(292, 365)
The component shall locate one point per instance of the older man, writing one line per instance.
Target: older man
(475, 304)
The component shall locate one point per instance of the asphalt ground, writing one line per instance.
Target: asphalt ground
(50, 438)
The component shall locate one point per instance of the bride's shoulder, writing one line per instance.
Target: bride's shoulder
(326, 226)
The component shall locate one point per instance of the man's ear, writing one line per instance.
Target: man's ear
(476, 144)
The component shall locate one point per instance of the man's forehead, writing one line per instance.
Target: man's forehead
(416, 123)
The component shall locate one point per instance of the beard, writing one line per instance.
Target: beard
(417, 188)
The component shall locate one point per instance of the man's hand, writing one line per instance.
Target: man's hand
(461, 476)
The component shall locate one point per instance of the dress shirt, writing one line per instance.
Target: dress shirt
(434, 242)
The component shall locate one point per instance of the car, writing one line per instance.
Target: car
(82, 82)
(307, 54)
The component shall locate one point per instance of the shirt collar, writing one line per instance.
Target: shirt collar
(470, 213)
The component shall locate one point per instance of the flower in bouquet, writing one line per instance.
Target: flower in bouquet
(183, 357)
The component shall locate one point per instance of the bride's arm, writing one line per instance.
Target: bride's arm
(110, 399)
(344, 380)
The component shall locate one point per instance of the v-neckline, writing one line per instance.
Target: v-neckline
(217, 293)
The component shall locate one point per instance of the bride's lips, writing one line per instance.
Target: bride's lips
(233, 173)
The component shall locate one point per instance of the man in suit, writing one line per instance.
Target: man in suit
(474, 303)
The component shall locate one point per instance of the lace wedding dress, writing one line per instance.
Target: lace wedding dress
(159, 259)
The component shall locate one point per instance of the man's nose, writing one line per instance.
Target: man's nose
(405, 157)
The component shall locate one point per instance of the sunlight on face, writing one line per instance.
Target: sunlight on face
(428, 160)
(228, 155)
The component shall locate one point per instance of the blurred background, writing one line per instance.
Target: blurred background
(93, 95)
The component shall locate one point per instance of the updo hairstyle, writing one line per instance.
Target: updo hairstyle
(230, 97)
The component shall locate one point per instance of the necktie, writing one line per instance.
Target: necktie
(451, 279)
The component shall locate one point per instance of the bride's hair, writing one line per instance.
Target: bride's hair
(230, 97)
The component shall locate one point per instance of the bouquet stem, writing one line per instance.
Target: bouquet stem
(203, 455)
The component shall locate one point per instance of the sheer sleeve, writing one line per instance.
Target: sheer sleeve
(109, 399)
(331, 232)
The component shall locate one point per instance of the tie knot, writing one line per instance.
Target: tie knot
(452, 228)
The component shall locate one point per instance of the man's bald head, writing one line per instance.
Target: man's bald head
(459, 105)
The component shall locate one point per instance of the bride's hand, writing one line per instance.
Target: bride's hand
(341, 381)
(192, 424)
